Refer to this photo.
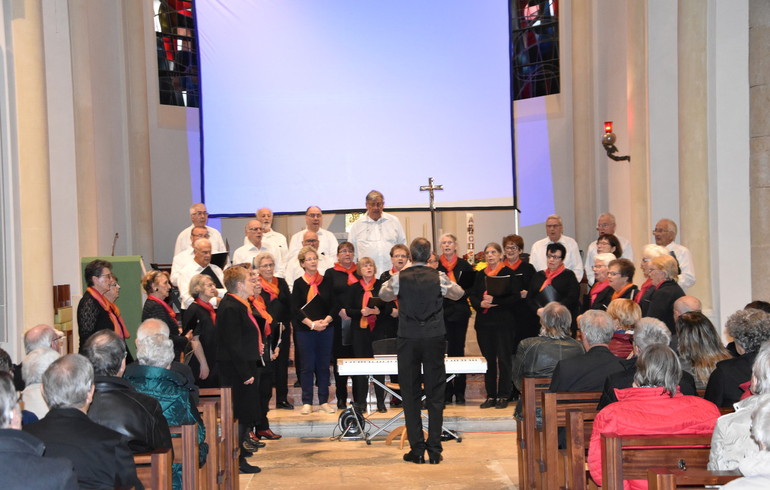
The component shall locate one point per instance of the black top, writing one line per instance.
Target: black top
(457, 311)
(421, 304)
(198, 319)
(527, 321)
(91, 317)
(299, 298)
(152, 309)
(661, 303)
(566, 286)
(23, 466)
(587, 372)
(501, 315)
(723, 388)
(356, 303)
(238, 338)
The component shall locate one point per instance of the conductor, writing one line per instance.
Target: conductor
(421, 343)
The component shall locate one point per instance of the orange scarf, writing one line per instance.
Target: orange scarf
(647, 285)
(113, 311)
(449, 265)
(597, 288)
(253, 320)
(271, 287)
(207, 306)
(618, 294)
(370, 320)
(350, 271)
(512, 265)
(259, 303)
(164, 305)
(549, 276)
(312, 281)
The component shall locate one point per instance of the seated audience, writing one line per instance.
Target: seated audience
(101, 456)
(625, 313)
(653, 405)
(732, 442)
(35, 338)
(587, 372)
(665, 291)
(648, 331)
(116, 404)
(21, 455)
(756, 468)
(34, 365)
(749, 328)
(699, 346)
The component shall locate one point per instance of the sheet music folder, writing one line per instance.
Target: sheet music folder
(498, 285)
(315, 309)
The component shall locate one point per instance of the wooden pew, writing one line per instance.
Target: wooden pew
(214, 469)
(629, 457)
(228, 432)
(578, 437)
(526, 431)
(154, 469)
(553, 462)
(186, 453)
(672, 479)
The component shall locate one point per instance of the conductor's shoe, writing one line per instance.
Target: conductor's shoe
(488, 403)
(410, 457)
(435, 458)
(247, 468)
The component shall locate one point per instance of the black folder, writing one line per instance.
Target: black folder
(547, 295)
(214, 278)
(498, 285)
(375, 302)
(465, 279)
(315, 309)
(219, 259)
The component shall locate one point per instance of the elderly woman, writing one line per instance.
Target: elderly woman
(314, 332)
(157, 286)
(94, 310)
(456, 313)
(606, 243)
(750, 328)
(600, 294)
(275, 293)
(555, 283)
(32, 368)
(112, 296)
(365, 325)
(527, 322)
(732, 442)
(665, 291)
(198, 324)
(699, 346)
(755, 468)
(495, 324)
(652, 406)
(649, 252)
(625, 313)
(154, 378)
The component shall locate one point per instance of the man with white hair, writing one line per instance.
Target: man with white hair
(187, 256)
(327, 242)
(37, 337)
(375, 232)
(588, 372)
(270, 237)
(101, 456)
(35, 364)
(553, 229)
(21, 454)
(201, 264)
(605, 225)
(199, 217)
(648, 331)
(665, 233)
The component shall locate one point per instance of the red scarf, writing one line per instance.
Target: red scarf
(618, 294)
(207, 306)
(259, 303)
(597, 288)
(253, 320)
(112, 310)
(492, 272)
(449, 265)
(164, 304)
(352, 279)
(271, 287)
(549, 276)
(370, 320)
(513, 266)
(313, 281)
(647, 284)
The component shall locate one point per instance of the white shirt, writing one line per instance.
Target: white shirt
(293, 271)
(278, 242)
(374, 239)
(248, 251)
(628, 253)
(183, 240)
(572, 260)
(186, 274)
(181, 260)
(327, 242)
(684, 257)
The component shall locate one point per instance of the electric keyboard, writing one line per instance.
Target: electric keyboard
(372, 366)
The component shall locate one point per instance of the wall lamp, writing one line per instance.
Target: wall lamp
(608, 141)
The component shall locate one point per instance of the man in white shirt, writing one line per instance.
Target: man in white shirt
(199, 217)
(201, 262)
(327, 241)
(272, 238)
(554, 228)
(605, 226)
(292, 269)
(186, 256)
(255, 244)
(664, 233)
(375, 233)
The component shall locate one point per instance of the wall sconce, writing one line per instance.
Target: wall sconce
(608, 141)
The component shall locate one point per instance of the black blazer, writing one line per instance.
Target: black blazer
(661, 303)
(566, 286)
(23, 466)
(299, 298)
(625, 378)
(723, 388)
(587, 372)
(237, 338)
(501, 315)
(280, 310)
(101, 456)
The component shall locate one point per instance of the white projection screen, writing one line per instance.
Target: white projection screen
(319, 101)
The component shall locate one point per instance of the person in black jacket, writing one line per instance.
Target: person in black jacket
(93, 309)
(555, 283)
(665, 291)
(116, 404)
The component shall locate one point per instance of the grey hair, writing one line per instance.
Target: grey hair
(106, 351)
(67, 382)
(653, 250)
(373, 195)
(257, 260)
(658, 366)
(597, 327)
(555, 321)
(156, 350)
(38, 337)
(649, 331)
(761, 371)
(608, 215)
(36, 362)
(605, 258)
(151, 326)
(556, 217)
(196, 284)
(447, 235)
(749, 328)
(760, 422)
(8, 399)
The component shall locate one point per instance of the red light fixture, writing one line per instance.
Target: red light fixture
(607, 126)
(608, 141)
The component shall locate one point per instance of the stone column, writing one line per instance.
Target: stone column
(34, 177)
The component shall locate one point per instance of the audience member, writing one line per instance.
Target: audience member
(35, 364)
(686, 304)
(756, 468)
(665, 233)
(375, 232)
(605, 225)
(699, 346)
(327, 242)
(625, 313)
(199, 217)
(571, 256)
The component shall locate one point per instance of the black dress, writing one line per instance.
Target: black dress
(91, 317)
(152, 309)
(198, 320)
(280, 309)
